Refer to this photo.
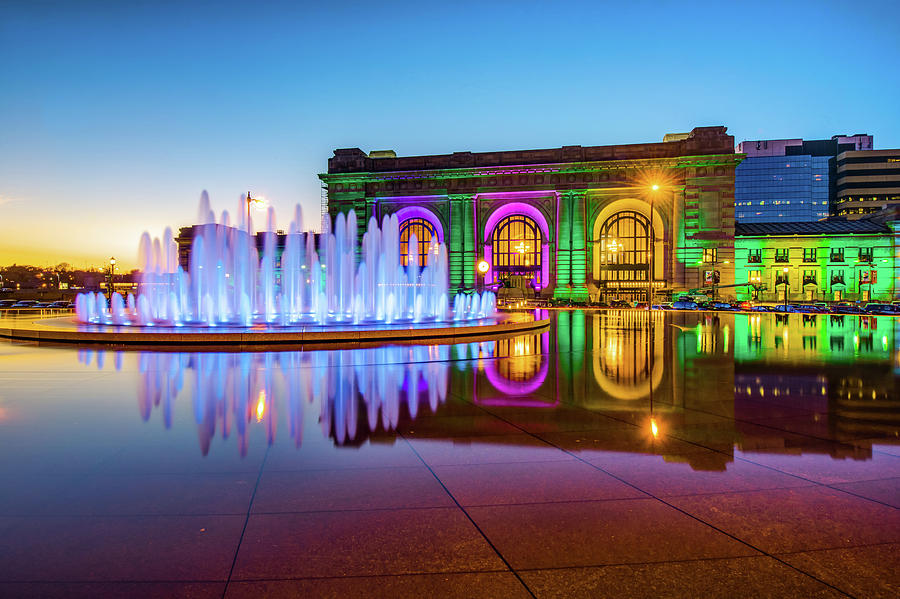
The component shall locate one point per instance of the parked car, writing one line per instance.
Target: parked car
(41, 305)
(7, 303)
(24, 304)
(61, 304)
(619, 304)
(721, 307)
(760, 308)
(847, 309)
(886, 309)
(685, 305)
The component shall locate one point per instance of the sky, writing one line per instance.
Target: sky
(115, 116)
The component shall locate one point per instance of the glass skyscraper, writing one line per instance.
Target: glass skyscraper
(789, 180)
(781, 189)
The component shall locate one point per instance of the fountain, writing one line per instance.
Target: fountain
(230, 283)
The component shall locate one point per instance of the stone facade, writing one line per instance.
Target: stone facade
(682, 190)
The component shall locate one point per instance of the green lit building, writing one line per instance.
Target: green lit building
(579, 223)
(830, 260)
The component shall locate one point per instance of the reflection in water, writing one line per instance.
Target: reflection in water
(716, 381)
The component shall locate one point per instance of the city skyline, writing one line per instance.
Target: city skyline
(120, 116)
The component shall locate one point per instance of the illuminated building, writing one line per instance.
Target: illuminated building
(577, 222)
(790, 180)
(867, 182)
(830, 260)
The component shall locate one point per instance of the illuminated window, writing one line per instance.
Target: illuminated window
(424, 232)
(624, 241)
(710, 255)
(516, 247)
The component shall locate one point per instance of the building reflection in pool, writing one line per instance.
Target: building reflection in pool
(710, 380)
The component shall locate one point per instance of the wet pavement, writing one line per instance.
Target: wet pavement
(696, 454)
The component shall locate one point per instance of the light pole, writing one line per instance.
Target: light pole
(112, 274)
(250, 200)
(483, 268)
(653, 189)
(786, 286)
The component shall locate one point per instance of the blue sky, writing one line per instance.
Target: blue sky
(114, 116)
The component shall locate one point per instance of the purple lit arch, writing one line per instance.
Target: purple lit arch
(409, 212)
(531, 212)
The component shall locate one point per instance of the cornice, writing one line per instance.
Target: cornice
(677, 162)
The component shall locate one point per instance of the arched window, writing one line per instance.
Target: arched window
(516, 246)
(624, 243)
(424, 232)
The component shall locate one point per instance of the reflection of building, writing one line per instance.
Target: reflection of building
(825, 261)
(789, 180)
(575, 220)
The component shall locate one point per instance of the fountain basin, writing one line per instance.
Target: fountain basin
(68, 330)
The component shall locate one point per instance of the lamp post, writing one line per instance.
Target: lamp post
(653, 189)
(786, 286)
(112, 274)
(251, 200)
(483, 268)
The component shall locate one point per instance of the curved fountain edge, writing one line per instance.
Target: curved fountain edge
(39, 331)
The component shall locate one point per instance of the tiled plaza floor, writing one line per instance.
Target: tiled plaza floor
(484, 496)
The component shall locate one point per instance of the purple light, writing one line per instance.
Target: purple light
(409, 212)
(528, 210)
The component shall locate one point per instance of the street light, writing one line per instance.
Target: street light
(112, 274)
(653, 188)
(255, 201)
(483, 268)
(786, 285)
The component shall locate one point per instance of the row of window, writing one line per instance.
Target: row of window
(810, 276)
(810, 255)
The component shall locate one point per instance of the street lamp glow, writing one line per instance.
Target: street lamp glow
(483, 266)
(654, 187)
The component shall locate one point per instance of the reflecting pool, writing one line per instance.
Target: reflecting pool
(617, 453)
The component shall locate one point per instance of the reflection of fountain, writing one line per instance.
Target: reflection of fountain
(313, 280)
(356, 389)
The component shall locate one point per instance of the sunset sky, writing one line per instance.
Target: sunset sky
(114, 116)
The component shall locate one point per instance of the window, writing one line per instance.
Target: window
(709, 255)
(809, 254)
(424, 233)
(837, 277)
(865, 254)
(624, 241)
(782, 255)
(516, 247)
(837, 254)
(755, 277)
(809, 277)
(755, 257)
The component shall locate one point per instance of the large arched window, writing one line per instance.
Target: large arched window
(424, 232)
(516, 246)
(624, 244)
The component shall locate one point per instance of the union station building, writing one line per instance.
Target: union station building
(577, 222)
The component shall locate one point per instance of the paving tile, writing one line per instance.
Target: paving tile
(147, 548)
(559, 419)
(594, 533)
(132, 590)
(872, 571)
(750, 577)
(831, 469)
(486, 450)
(33, 494)
(158, 494)
(349, 489)
(468, 425)
(531, 482)
(795, 519)
(387, 453)
(886, 491)
(486, 585)
(664, 476)
(605, 446)
(362, 543)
